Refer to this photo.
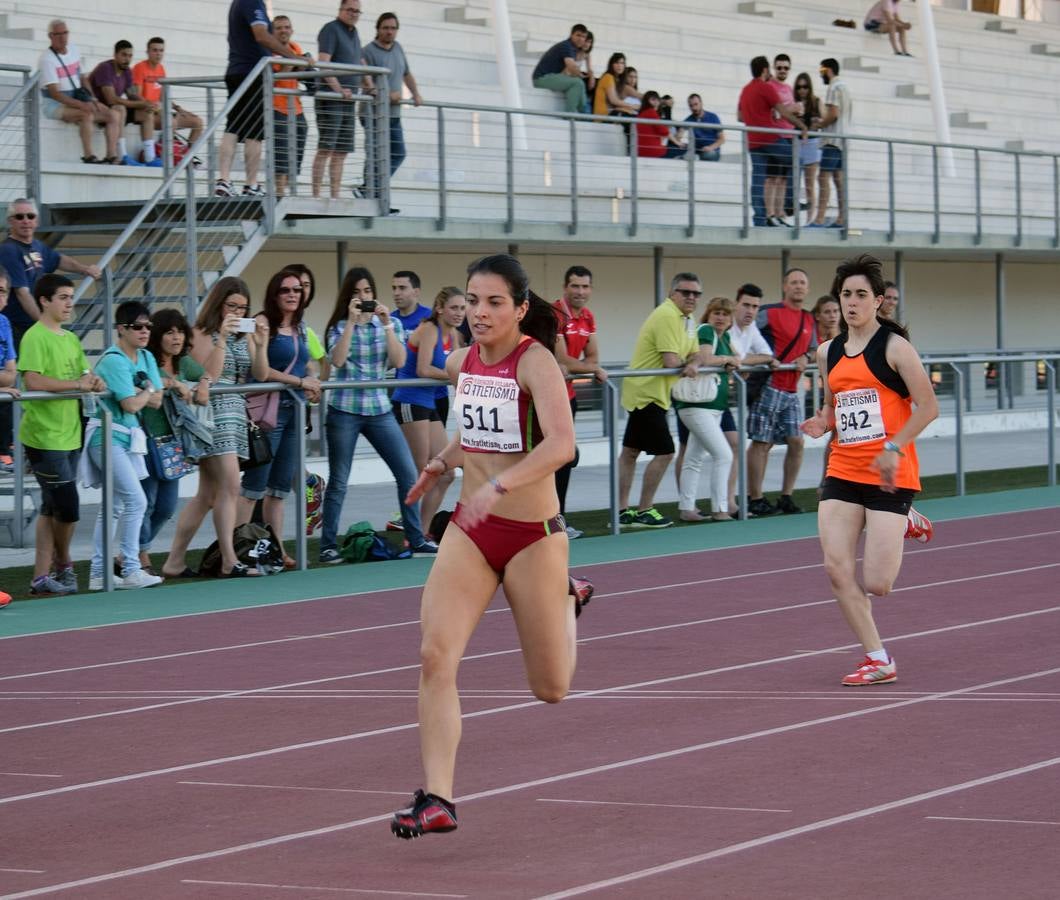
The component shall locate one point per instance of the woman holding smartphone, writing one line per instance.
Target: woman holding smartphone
(364, 343)
(230, 355)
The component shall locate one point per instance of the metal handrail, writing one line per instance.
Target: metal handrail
(27, 91)
(1051, 359)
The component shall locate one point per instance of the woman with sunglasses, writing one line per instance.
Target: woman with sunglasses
(809, 149)
(169, 344)
(288, 355)
(229, 356)
(134, 382)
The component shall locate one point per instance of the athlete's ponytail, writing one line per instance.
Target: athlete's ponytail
(539, 322)
(871, 269)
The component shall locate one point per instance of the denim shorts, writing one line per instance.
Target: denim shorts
(831, 159)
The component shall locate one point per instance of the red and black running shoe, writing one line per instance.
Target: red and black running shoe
(581, 590)
(426, 814)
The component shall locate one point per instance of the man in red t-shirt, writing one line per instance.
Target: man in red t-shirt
(577, 352)
(759, 100)
(145, 75)
(775, 417)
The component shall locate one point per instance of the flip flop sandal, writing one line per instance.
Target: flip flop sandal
(239, 570)
(94, 160)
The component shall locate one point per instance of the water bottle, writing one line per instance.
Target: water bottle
(89, 403)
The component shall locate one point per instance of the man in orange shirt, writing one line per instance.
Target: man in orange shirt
(287, 113)
(145, 75)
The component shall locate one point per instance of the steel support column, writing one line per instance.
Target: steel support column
(660, 282)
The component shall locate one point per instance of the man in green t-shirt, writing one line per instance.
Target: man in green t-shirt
(667, 340)
(51, 359)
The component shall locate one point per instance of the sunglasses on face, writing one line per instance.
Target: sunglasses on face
(688, 293)
(236, 307)
(138, 326)
(21, 217)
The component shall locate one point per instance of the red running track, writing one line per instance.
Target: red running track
(707, 749)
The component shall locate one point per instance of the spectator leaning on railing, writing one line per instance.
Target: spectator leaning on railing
(26, 259)
(230, 356)
(287, 113)
(365, 342)
(169, 343)
(66, 96)
(51, 359)
(112, 84)
(288, 356)
(249, 39)
(132, 377)
(387, 53)
(339, 42)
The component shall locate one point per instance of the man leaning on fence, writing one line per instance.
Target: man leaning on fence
(338, 42)
(387, 53)
(249, 39)
(26, 259)
(51, 359)
(287, 114)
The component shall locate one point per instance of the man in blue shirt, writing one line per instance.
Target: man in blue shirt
(405, 287)
(26, 259)
(557, 70)
(708, 140)
(249, 39)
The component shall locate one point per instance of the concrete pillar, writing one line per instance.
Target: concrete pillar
(660, 280)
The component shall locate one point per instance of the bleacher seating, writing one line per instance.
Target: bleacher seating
(1000, 91)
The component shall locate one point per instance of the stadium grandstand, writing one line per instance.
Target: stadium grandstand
(970, 231)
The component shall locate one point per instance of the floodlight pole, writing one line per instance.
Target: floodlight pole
(507, 74)
(938, 94)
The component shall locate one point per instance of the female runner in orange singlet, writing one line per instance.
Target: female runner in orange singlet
(515, 431)
(878, 398)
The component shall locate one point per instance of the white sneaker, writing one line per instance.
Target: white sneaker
(573, 533)
(95, 582)
(138, 579)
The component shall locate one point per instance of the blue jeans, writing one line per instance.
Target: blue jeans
(275, 478)
(397, 145)
(162, 499)
(129, 508)
(778, 153)
(384, 434)
(709, 155)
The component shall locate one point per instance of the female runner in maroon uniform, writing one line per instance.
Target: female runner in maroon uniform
(874, 378)
(515, 431)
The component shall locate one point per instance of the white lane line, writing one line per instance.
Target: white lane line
(336, 890)
(410, 622)
(30, 775)
(800, 830)
(1002, 821)
(665, 805)
(395, 729)
(292, 787)
(24, 871)
(535, 783)
(333, 678)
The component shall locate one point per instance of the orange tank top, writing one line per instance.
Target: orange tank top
(871, 404)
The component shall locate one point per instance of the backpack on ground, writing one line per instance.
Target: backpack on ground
(356, 542)
(256, 546)
(382, 549)
(439, 522)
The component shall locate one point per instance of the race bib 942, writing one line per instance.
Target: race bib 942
(859, 416)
